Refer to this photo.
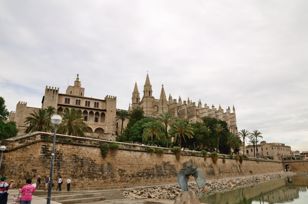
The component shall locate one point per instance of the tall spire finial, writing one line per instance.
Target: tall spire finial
(77, 82)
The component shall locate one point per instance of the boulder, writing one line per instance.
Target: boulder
(187, 197)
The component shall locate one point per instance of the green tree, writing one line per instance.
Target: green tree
(122, 115)
(181, 129)
(72, 123)
(3, 111)
(256, 134)
(218, 129)
(39, 120)
(153, 130)
(166, 119)
(7, 130)
(234, 142)
(201, 135)
(244, 134)
(252, 140)
(135, 115)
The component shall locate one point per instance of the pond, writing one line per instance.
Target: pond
(291, 190)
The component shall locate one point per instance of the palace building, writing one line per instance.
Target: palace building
(98, 114)
(178, 108)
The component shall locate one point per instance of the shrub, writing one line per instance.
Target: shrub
(159, 151)
(214, 157)
(104, 149)
(113, 146)
(223, 159)
(149, 150)
(177, 152)
(204, 154)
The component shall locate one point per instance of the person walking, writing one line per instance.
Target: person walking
(26, 192)
(60, 181)
(47, 180)
(4, 187)
(68, 184)
(38, 182)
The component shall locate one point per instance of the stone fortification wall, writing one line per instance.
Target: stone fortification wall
(297, 166)
(130, 165)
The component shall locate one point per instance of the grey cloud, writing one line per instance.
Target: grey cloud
(248, 53)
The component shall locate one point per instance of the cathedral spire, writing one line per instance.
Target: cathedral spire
(136, 89)
(147, 91)
(162, 94)
(135, 96)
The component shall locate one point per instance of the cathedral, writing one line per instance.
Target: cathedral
(179, 109)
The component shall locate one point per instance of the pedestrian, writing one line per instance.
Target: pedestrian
(38, 181)
(26, 192)
(68, 184)
(4, 187)
(46, 182)
(60, 181)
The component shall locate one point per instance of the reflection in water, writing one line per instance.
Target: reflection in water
(276, 191)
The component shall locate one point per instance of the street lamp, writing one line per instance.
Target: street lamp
(55, 120)
(2, 149)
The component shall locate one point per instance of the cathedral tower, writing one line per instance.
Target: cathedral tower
(147, 99)
(163, 103)
(135, 97)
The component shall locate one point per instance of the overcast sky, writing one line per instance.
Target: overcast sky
(248, 53)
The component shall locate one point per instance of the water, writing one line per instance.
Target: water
(291, 190)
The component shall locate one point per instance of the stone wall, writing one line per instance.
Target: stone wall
(130, 165)
(297, 165)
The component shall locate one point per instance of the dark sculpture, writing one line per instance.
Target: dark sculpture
(190, 169)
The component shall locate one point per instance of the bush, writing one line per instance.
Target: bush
(204, 154)
(104, 149)
(113, 146)
(177, 152)
(223, 159)
(214, 157)
(159, 151)
(149, 150)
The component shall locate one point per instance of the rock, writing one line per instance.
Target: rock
(187, 197)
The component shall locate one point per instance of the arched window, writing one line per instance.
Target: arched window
(96, 117)
(102, 117)
(99, 131)
(60, 110)
(89, 129)
(91, 116)
(85, 115)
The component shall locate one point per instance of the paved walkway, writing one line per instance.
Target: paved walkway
(35, 200)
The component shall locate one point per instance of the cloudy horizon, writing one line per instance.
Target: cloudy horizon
(247, 53)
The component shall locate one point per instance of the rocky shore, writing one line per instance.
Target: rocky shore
(170, 192)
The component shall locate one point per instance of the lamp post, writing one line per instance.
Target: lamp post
(2, 149)
(55, 120)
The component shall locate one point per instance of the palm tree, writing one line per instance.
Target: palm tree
(152, 130)
(218, 129)
(166, 119)
(252, 140)
(244, 133)
(72, 123)
(122, 115)
(256, 134)
(39, 120)
(181, 129)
